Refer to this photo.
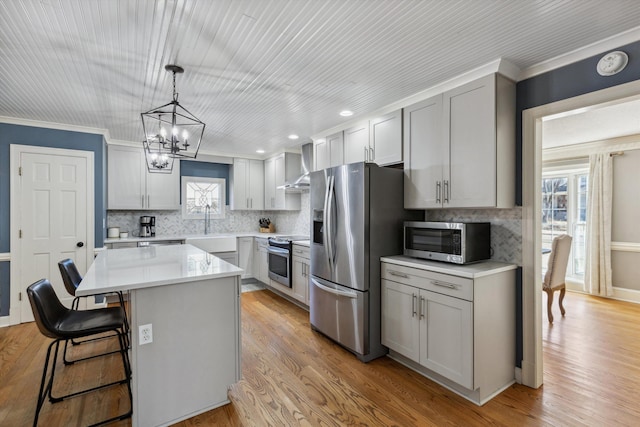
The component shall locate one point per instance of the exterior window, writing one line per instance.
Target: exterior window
(564, 210)
(198, 193)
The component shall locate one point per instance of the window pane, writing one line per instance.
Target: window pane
(198, 193)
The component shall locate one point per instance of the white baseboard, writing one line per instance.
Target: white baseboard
(621, 294)
(4, 321)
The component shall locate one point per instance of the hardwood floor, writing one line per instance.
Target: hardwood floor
(294, 376)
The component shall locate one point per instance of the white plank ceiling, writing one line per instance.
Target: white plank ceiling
(258, 70)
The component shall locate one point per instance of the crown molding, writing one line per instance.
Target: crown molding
(593, 49)
(499, 65)
(52, 125)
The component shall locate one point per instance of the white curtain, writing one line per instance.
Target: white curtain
(598, 265)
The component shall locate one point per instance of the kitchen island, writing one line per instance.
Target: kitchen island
(187, 301)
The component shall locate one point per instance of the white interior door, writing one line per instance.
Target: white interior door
(52, 211)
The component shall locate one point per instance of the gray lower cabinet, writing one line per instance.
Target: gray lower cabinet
(458, 329)
(300, 276)
(245, 256)
(261, 260)
(230, 257)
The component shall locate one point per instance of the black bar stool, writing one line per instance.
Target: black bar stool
(72, 278)
(56, 321)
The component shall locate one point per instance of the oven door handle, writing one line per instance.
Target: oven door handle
(278, 251)
(351, 294)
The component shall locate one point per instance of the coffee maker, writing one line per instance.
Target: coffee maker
(146, 226)
(153, 225)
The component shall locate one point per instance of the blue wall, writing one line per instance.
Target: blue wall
(43, 137)
(567, 82)
(206, 170)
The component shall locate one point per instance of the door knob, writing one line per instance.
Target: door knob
(80, 244)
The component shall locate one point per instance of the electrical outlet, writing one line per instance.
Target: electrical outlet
(145, 335)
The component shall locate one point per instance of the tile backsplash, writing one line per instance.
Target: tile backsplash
(506, 228)
(170, 223)
(506, 224)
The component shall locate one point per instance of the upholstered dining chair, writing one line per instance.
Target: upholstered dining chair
(554, 278)
(71, 278)
(56, 321)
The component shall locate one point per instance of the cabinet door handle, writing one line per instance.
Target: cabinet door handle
(446, 191)
(444, 284)
(251, 201)
(414, 299)
(366, 154)
(373, 154)
(148, 201)
(397, 274)
(422, 307)
(438, 190)
(142, 201)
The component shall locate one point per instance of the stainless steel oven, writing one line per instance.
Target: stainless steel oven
(279, 251)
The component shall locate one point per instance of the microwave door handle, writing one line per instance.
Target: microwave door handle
(337, 292)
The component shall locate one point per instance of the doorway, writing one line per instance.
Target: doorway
(532, 364)
(52, 218)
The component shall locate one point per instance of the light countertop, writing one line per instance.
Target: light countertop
(165, 237)
(306, 243)
(470, 271)
(136, 268)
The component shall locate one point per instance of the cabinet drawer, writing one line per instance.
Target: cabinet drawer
(301, 251)
(445, 284)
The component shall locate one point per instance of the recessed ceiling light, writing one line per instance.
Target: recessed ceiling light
(293, 136)
(260, 151)
(346, 113)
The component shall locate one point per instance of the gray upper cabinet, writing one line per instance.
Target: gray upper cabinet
(336, 149)
(328, 152)
(278, 170)
(131, 186)
(320, 154)
(473, 164)
(356, 143)
(385, 144)
(247, 184)
(424, 154)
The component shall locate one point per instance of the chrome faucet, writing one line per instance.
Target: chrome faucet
(207, 219)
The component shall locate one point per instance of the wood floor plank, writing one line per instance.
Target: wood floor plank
(295, 376)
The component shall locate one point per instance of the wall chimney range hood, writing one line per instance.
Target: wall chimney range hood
(302, 182)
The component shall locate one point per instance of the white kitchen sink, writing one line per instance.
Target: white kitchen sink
(213, 244)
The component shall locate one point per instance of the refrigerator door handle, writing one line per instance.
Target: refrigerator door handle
(347, 294)
(326, 222)
(329, 232)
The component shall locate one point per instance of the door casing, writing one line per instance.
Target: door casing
(16, 150)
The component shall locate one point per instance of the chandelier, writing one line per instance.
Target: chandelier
(170, 132)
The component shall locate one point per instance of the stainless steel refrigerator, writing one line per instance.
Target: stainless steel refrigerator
(357, 215)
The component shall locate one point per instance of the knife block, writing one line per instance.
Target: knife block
(270, 229)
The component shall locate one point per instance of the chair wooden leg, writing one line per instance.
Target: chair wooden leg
(560, 301)
(549, 302)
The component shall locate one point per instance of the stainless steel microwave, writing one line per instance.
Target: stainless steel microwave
(454, 242)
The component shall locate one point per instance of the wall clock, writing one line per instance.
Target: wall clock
(612, 63)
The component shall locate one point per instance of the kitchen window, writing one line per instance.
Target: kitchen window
(564, 210)
(198, 192)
